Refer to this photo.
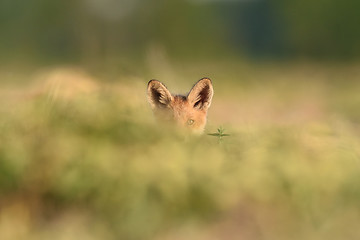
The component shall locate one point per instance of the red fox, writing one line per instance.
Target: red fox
(189, 111)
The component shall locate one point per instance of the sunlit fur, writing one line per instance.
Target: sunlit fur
(188, 112)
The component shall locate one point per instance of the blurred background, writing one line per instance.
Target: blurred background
(81, 156)
(107, 32)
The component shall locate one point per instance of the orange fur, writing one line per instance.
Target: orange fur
(188, 112)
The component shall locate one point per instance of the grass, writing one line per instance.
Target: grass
(87, 161)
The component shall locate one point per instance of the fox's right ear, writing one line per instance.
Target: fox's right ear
(158, 95)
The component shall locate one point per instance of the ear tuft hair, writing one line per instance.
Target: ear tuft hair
(158, 95)
(201, 94)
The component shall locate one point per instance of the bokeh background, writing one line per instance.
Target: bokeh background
(81, 156)
(95, 32)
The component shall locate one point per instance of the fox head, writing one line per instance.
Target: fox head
(189, 111)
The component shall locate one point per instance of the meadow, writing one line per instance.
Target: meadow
(81, 157)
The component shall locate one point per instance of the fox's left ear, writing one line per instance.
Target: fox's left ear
(201, 94)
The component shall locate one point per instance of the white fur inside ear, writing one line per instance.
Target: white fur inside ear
(158, 95)
(163, 98)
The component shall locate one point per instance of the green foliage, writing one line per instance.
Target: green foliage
(220, 134)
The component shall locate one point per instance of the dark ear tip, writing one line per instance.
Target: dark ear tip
(205, 79)
(152, 81)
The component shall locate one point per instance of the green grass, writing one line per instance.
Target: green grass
(95, 165)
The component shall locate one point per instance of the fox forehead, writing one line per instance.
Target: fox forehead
(182, 109)
(179, 102)
(180, 105)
